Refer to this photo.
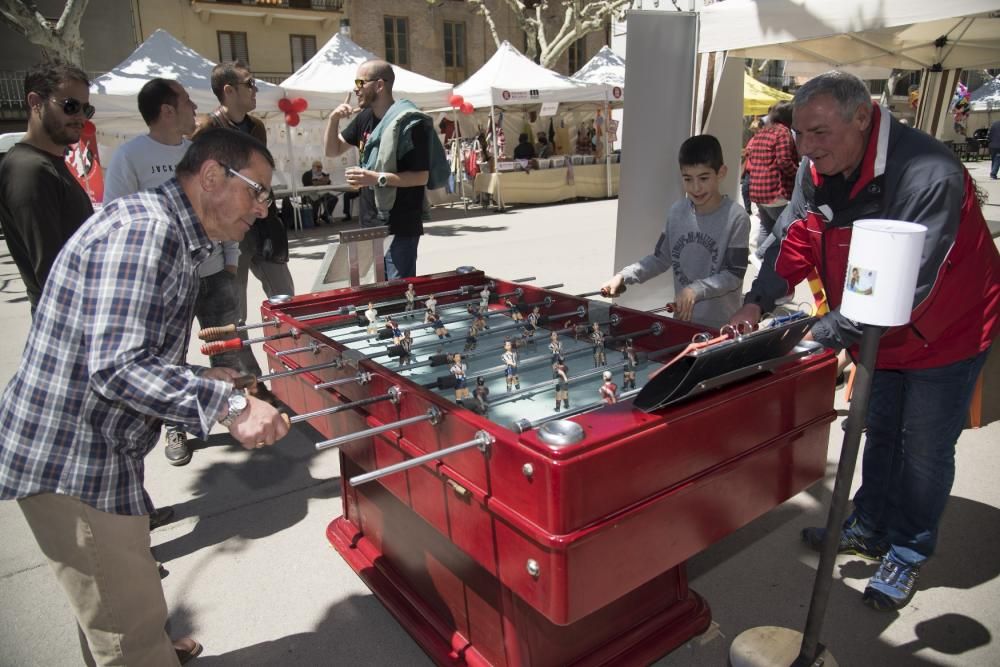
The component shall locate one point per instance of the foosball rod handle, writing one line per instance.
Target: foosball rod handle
(220, 346)
(482, 441)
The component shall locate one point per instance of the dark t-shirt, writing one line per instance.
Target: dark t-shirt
(41, 207)
(406, 216)
(524, 151)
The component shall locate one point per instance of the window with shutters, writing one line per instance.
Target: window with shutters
(454, 52)
(303, 48)
(233, 46)
(397, 40)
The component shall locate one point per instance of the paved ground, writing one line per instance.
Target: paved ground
(252, 575)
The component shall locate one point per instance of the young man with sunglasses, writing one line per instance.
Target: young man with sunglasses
(401, 156)
(41, 202)
(103, 368)
(264, 251)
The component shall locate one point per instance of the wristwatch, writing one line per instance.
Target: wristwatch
(237, 404)
(382, 180)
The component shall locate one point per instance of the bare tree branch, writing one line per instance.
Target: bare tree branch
(61, 40)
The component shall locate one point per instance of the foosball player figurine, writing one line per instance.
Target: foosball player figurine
(531, 324)
(560, 373)
(411, 297)
(631, 363)
(429, 317)
(484, 299)
(608, 390)
(515, 312)
(480, 323)
(458, 369)
(372, 316)
(470, 338)
(555, 346)
(576, 330)
(597, 340)
(509, 358)
(439, 328)
(405, 345)
(394, 331)
(431, 304)
(482, 394)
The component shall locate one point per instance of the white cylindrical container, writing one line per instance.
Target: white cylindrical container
(882, 271)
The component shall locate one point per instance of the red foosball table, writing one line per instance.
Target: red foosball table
(499, 531)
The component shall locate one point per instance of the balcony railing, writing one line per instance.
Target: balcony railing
(319, 5)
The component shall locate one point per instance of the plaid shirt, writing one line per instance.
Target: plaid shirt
(773, 161)
(104, 363)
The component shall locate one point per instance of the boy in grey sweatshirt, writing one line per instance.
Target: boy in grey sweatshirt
(705, 242)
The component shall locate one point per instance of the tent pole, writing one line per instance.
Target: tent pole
(607, 145)
(496, 159)
(296, 213)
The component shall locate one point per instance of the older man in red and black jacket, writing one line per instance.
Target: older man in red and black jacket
(860, 163)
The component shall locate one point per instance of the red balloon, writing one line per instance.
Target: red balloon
(467, 107)
(89, 129)
(299, 104)
(285, 104)
(291, 119)
(456, 101)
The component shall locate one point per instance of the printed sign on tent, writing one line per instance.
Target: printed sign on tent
(549, 109)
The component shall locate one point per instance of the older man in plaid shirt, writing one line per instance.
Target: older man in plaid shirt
(104, 367)
(772, 162)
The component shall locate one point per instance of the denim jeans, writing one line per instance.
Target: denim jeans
(995, 157)
(401, 258)
(908, 466)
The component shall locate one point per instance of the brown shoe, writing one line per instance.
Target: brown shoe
(187, 649)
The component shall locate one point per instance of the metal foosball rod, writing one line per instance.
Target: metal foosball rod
(492, 332)
(392, 395)
(546, 385)
(245, 381)
(524, 425)
(483, 441)
(362, 378)
(432, 415)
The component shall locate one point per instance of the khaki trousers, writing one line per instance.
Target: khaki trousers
(103, 563)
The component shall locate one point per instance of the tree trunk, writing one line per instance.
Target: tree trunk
(61, 41)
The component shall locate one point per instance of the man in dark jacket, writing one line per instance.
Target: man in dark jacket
(860, 163)
(994, 143)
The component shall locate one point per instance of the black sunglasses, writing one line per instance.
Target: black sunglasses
(72, 107)
(249, 83)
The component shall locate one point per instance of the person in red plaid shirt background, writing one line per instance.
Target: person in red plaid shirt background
(772, 161)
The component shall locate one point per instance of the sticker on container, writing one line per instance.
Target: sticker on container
(860, 280)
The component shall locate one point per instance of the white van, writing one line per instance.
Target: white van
(7, 141)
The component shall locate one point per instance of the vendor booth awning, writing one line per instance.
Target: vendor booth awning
(114, 94)
(509, 78)
(329, 75)
(759, 97)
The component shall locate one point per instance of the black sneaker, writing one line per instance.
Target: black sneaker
(851, 542)
(160, 516)
(893, 585)
(177, 452)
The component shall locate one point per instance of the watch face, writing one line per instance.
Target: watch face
(238, 402)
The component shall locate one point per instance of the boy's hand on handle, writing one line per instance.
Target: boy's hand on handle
(614, 287)
(259, 425)
(748, 314)
(684, 304)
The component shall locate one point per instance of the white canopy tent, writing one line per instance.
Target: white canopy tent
(510, 78)
(607, 68)
(939, 38)
(987, 96)
(161, 55)
(329, 76)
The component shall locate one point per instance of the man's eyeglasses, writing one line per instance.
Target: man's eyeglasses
(72, 107)
(249, 83)
(360, 83)
(261, 194)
